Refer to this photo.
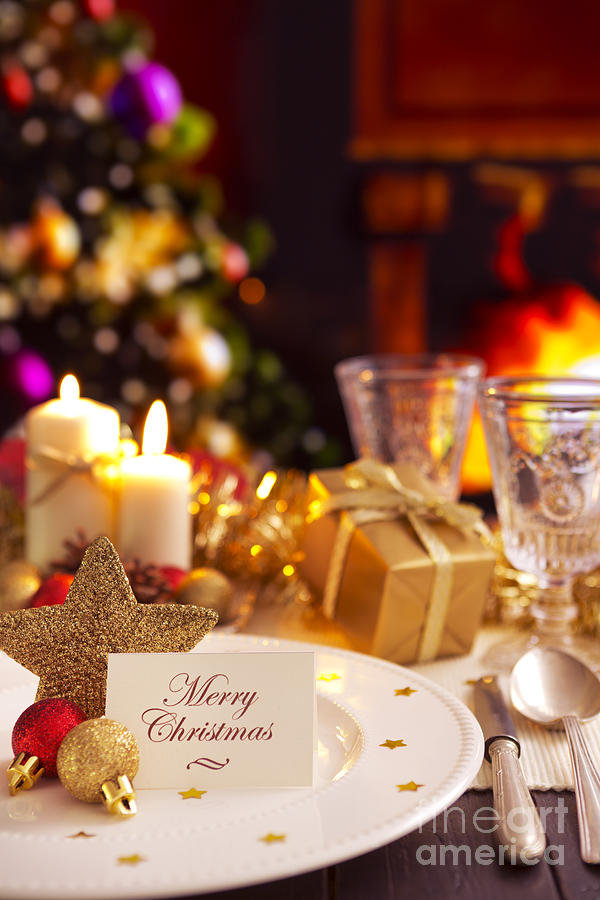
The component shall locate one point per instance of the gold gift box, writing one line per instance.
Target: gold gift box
(385, 600)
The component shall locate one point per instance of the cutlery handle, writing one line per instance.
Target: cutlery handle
(519, 824)
(587, 791)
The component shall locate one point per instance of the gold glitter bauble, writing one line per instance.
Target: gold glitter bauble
(19, 580)
(68, 645)
(206, 587)
(94, 752)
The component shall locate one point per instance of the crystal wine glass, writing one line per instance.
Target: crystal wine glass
(543, 442)
(412, 410)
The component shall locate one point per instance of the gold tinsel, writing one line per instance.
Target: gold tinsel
(68, 645)
(512, 592)
(252, 532)
(587, 596)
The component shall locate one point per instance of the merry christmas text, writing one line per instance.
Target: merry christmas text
(187, 691)
(210, 692)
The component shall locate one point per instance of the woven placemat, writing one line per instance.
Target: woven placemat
(544, 752)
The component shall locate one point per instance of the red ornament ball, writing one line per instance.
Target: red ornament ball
(173, 575)
(235, 264)
(53, 591)
(100, 10)
(17, 87)
(40, 729)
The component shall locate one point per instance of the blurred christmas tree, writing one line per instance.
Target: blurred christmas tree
(116, 257)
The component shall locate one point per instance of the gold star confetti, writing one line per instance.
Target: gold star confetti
(132, 860)
(328, 676)
(409, 786)
(471, 681)
(405, 692)
(81, 834)
(271, 838)
(67, 645)
(392, 745)
(192, 794)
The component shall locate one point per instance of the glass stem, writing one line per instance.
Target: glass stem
(554, 608)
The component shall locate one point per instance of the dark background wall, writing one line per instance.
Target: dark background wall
(277, 78)
(295, 85)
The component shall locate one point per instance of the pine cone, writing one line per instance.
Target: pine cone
(148, 582)
(74, 551)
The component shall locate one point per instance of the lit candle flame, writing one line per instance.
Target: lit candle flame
(156, 429)
(69, 389)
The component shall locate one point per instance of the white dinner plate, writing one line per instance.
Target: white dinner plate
(177, 846)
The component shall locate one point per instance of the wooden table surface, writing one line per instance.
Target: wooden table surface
(394, 871)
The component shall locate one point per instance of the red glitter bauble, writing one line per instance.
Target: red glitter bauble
(40, 729)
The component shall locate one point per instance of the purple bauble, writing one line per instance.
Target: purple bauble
(145, 96)
(32, 376)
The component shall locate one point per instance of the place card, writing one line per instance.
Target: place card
(211, 720)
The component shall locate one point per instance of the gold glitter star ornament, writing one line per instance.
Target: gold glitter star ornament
(68, 645)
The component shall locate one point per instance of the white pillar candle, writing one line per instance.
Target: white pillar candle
(155, 525)
(65, 491)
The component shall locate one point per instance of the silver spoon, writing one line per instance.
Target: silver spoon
(548, 686)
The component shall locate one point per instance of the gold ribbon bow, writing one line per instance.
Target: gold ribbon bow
(376, 494)
(61, 466)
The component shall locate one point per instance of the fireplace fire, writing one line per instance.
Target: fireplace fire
(552, 331)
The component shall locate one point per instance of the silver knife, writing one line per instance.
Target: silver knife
(519, 824)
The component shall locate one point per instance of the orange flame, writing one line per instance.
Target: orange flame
(556, 333)
(69, 389)
(156, 429)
